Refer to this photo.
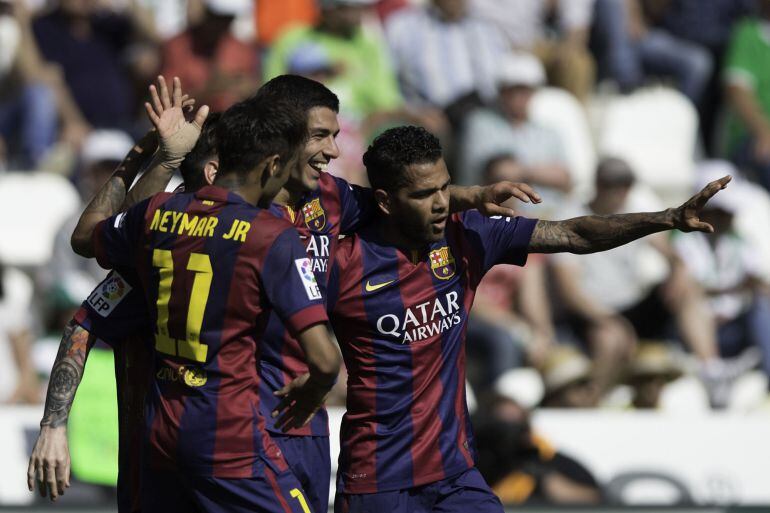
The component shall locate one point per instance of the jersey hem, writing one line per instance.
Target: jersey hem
(366, 488)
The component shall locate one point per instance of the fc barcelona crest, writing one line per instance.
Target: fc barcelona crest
(442, 263)
(315, 217)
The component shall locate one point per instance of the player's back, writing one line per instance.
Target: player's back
(210, 264)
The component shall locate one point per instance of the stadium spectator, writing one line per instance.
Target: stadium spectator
(18, 380)
(364, 78)
(707, 24)
(510, 323)
(28, 108)
(90, 45)
(216, 68)
(561, 46)
(508, 130)
(747, 79)
(631, 48)
(457, 57)
(635, 291)
(521, 466)
(727, 268)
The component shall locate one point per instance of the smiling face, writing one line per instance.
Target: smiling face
(320, 149)
(420, 209)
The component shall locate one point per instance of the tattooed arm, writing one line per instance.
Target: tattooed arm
(590, 234)
(49, 464)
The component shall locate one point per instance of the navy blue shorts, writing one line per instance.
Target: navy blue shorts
(270, 492)
(466, 492)
(310, 460)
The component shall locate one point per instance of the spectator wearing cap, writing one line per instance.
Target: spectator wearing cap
(654, 366)
(747, 79)
(561, 46)
(567, 375)
(507, 129)
(641, 290)
(727, 268)
(216, 68)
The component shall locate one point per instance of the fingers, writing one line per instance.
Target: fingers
(31, 474)
(176, 92)
(200, 116)
(62, 476)
(711, 189)
(40, 478)
(523, 190)
(285, 402)
(155, 99)
(151, 114)
(700, 226)
(165, 98)
(50, 481)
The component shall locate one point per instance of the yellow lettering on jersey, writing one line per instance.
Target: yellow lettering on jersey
(210, 225)
(243, 229)
(198, 232)
(164, 219)
(176, 216)
(188, 225)
(229, 234)
(155, 220)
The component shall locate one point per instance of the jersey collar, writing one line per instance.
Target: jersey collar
(220, 195)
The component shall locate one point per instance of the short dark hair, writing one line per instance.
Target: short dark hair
(204, 150)
(493, 161)
(253, 129)
(394, 150)
(304, 92)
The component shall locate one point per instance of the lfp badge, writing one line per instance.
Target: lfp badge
(442, 263)
(315, 217)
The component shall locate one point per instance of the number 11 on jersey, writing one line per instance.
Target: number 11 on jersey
(190, 347)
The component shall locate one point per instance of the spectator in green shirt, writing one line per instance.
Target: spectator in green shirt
(363, 78)
(747, 79)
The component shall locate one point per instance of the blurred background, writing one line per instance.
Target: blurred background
(635, 377)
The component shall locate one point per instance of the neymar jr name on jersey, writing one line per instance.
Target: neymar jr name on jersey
(180, 223)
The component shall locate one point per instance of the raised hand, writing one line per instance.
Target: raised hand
(491, 198)
(301, 399)
(177, 135)
(687, 216)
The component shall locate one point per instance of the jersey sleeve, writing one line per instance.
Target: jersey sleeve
(116, 239)
(290, 285)
(356, 206)
(501, 240)
(115, 309)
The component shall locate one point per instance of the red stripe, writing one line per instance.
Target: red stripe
(416, 287)
(277, 489)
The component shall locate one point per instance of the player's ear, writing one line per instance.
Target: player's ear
(383, 200)
(273, 165)
(210, 170)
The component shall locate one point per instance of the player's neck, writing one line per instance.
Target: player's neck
(392, 234)
(288, 196)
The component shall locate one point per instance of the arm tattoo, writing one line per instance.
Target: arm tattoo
(590, 234)
(66, 374)
(111, 196)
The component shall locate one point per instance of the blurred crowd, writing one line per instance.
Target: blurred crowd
(606, 106)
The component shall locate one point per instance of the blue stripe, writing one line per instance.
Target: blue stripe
(393, 453)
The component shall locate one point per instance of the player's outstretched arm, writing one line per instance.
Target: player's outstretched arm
(49, 464)
(176, 137)
(302, 398)
(489, 199)
(590, 234)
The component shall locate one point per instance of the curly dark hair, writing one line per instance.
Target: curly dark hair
(394, 150)
(255, 128)
(306, 93)
(204, 150)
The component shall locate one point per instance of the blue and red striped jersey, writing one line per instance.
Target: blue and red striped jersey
(400, 318)
(211, 268)
(320, 217)
(115, 313)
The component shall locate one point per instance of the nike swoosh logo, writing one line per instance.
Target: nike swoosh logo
(372, 288)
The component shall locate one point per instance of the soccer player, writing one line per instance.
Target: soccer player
(399, 295)
(210, 264)
(323, 207)
(115, 311)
